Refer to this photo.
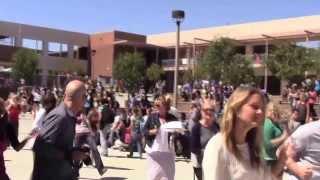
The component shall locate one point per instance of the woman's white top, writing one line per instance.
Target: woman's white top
(39, 118)
(160, 143)
(219, 164)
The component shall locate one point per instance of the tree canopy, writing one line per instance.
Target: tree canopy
(222, 62)
(130, 68)
(73, 67)
(288, 61)
(25, 65)
(154, 72)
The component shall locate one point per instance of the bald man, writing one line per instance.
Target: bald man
(53, 148)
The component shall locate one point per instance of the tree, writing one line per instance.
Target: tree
(72, 67)
(130, 68)
(154, 72)
(187, 76)
(198, 72)
(289, 61)
(315, 58)
(222, 62)
(25, 65)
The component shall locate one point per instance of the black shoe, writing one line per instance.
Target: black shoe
(129, 156)
(102, 171)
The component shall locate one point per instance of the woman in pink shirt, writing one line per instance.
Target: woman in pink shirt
(7, 136)
(14, 110)
(312, 99)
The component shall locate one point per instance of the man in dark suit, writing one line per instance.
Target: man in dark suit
(53, 148)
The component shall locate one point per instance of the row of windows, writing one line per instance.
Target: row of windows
(54, 48)
(6, 40)
(51, 72)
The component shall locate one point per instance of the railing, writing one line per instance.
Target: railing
(171, 62)
(256, 59)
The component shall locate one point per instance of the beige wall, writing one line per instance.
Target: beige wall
(247, 31)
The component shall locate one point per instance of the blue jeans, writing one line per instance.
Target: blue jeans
(103, 139)
(136, 140)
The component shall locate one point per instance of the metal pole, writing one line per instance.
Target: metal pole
(193, 58)
(265, 66)
(175, 90)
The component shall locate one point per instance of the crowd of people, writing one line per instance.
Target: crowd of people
(228, 133)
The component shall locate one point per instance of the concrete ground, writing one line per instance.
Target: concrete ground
(19, 164)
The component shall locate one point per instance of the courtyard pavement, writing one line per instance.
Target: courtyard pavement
(19, 164)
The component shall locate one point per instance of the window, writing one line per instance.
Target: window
(241, 49)
(32, 44)
(309, 44)
(75, 52)
(53, 49)
(38, 71)
(64, 50)
(83, 53)
(6, 40)
(80, 52)
(259, 49)
(57, 49)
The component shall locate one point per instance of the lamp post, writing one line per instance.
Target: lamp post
(92, 53)
(265, 66)
(178, 17)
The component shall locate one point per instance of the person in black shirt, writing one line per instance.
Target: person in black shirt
(107, 119)
(201, 134)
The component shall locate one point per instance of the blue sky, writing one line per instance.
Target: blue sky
(148, 16)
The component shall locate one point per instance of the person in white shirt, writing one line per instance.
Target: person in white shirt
(235, 152)
(305, 163)
(48, 102)
(159, 148)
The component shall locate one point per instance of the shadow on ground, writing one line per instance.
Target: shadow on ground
(105, 178)
(117, 168)
(111, 167)
(125, 157)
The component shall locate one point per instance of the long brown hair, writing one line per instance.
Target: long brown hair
(239, 97)
(3, 120)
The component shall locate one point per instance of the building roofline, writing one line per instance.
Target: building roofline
(294, 28)
(234, 25)
(42, 27)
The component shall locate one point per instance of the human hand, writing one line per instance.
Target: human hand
(304, 171)
(287, 150)
(154, 131)
(33, 133)
(79, 155)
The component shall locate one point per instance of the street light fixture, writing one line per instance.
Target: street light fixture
(178, 17)
(92, 54)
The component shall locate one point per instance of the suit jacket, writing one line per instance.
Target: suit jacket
(53, 146)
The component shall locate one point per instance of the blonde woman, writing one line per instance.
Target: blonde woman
(234, 153)
(274, 134)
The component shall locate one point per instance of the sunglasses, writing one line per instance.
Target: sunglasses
(208, 110)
